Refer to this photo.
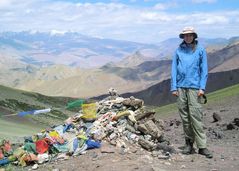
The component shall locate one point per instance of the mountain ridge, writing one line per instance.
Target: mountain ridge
(138, 71)
(159, 94)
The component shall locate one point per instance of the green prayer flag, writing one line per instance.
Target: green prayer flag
(77, 103)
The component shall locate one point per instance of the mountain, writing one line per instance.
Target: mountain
(77, 50)
(165, 50)
(86, 83)
(223, 67)
(68, 48)
(224, 59)
(15, 72)
(136, 59)
(59, 80)
(221, 61)
(233, 40)
(147, 71)
(33, 62)
(159, 94)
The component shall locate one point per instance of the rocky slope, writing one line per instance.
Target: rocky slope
(222, 140)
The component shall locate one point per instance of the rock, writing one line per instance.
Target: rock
(63, 156)
(35, 166)
(230, 126)
(215, 133)
(183, 167)
(133, 137)
(42, 158)
(120, 144)
(122, 151)
(163, 157)
(140, 116)
(142, 128)
(112, 136)
(166, 148)
(130, 128)
(216, 117)
(133, 102)
(236, 121)
(148, 137)
(153, 129)
(146, 144)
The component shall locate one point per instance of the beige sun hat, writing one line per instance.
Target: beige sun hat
(188, 30)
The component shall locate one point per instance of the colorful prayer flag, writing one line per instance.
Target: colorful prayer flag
(34, 112)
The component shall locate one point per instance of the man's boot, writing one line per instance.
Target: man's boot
(188, 149)
(205, 152)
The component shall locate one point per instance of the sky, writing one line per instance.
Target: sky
(146, 21)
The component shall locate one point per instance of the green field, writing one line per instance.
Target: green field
(13, 101)
(213, 97)
(15, 131)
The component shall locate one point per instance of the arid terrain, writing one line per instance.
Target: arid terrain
(222, 141)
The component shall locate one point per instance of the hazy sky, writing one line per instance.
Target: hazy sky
(147, 21)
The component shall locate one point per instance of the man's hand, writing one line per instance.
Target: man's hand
(200, 92)
(175, 93)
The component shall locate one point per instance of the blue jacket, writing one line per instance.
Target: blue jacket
(189, 68)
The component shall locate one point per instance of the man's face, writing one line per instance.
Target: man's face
(188, 38)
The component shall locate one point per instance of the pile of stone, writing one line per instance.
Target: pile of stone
(127, 119)
(116, 120)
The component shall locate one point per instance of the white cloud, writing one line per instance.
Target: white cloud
(160, 6)
(214, 20)
(57, 32)
(4, 3)
(154, 16)
(164, 6)
(112, 20)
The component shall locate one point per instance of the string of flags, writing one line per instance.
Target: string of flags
(70, 105)
(34, 112)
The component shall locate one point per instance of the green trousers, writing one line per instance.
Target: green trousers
(190, 111)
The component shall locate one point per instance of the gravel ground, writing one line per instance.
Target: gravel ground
(221, 141)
